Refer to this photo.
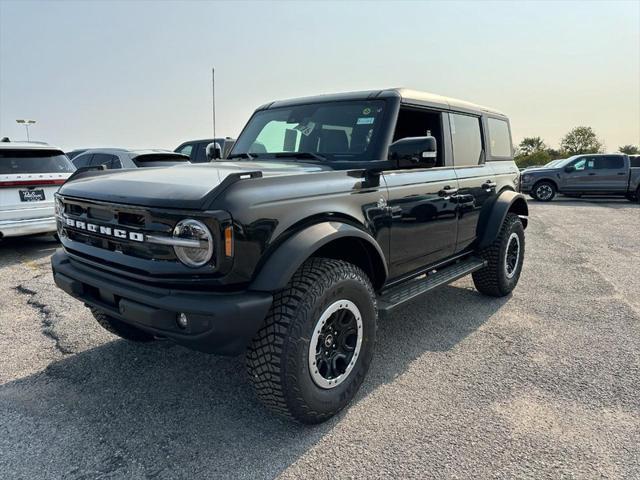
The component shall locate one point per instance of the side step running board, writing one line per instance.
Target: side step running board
(399, 294)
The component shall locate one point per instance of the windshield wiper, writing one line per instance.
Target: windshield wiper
(248, 156)
(309, 155)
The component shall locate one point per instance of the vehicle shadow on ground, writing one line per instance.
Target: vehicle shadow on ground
(163, 411)
(14, 250)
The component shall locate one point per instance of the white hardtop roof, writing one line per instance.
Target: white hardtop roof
(408, 94)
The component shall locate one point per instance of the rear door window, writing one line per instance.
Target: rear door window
(34, 161)
(609, 163)
(467, 139)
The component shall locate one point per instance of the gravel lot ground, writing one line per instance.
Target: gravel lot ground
(542, 384)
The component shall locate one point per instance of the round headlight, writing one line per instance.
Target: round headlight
(198, 246)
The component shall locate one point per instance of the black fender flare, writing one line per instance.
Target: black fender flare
(280, 266)
(494, 213)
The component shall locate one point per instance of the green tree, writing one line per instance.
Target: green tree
(580, 140)
(530, 145)
(535, 159)
(629, 149)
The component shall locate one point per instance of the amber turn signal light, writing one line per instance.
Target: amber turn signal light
(228, 241)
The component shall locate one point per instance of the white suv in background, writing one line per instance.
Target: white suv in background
(29, 176)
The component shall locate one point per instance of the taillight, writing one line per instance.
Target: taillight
(31, 183)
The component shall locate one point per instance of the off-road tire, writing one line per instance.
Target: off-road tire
(278, 356)
(121, 329)
(543, 183)
(493, 279)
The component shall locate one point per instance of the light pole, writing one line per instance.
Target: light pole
(27, 124)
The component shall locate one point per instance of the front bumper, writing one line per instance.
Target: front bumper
(31, 226)
(222, 323)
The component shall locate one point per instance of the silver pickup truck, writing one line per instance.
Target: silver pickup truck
(590, 174)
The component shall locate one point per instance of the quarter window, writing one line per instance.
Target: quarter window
(466, 138)
(499, 138)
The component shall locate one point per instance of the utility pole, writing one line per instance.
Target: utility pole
(27, 124)
(213, 97)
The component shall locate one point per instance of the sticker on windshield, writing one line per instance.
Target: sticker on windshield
(365, 120)
(306, 129)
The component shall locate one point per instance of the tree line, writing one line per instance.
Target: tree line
(580, 140)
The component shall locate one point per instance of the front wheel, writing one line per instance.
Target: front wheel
(504, 257)
(309, 359)
(543, 191)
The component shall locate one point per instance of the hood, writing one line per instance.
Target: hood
(183, 187)
(540, 170)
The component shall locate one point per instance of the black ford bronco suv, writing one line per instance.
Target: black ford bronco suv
(328, 211)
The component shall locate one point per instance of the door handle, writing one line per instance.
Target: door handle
(591, 173)
(621, 173)
(447, 191)
(489, 184)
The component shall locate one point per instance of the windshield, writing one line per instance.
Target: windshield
(566, 161)
(321, 132)
(34, 161)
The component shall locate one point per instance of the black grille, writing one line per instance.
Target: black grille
(130, 219)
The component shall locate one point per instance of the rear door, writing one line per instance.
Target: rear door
(610, 174)
(476, 180)
(28, 181)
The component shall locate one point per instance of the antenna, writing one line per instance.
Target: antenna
(213, 96)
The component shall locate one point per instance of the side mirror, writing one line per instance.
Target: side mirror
(414, 152)
(569, 168)
(214, 152)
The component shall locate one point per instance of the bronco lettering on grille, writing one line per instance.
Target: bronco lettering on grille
(108, 231)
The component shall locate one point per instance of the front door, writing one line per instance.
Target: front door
(423, 217)
(421, 200)
(581, 178)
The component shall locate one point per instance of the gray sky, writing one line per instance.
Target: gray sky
(138, 74)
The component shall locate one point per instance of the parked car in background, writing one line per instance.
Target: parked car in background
(30, 174)
(74, 153)
(114, 158)
(590, 174)
(197, 149)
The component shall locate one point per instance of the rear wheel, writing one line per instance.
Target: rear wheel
(311, 356)
(504, 260)
(121, 329)
(543, 191)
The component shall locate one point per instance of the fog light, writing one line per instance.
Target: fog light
(182, 320)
